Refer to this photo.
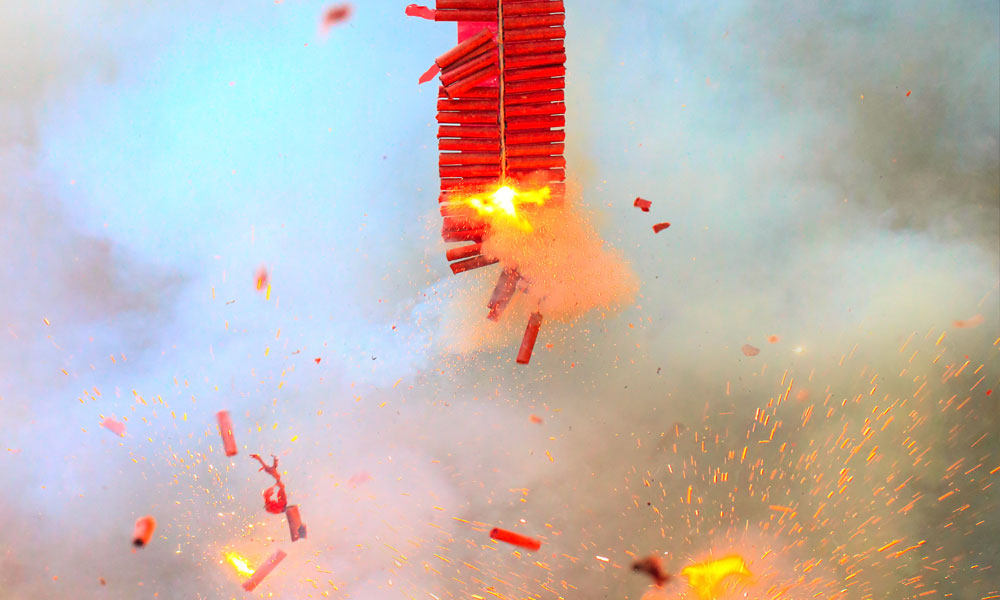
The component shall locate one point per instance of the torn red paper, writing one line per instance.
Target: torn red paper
(773, 339)
(749, 350)
(335, 15)
(144, 528)
(660, 227)
(536, 419)
(652, 566)
(974, 321)
(415, 10)
(642, 204)
(116, 427)
(261, 278)
(277, 505)
(516, 539)
(429, 74)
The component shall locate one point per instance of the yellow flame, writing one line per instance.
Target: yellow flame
(706, 578)
(505, 202)
(242, 567)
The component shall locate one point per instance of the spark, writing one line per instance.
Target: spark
(242, 567)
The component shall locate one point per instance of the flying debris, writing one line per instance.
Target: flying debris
(261, 279)
(226, 430)
(652, 566)
(115, 427)
(264, 570)
(749, 350)
(276, 506)
(144, 528)
(660, 227)
(500, 135)
(295, 526)
(516, 539)
(336, 15)
(974, 321)
(642, 204)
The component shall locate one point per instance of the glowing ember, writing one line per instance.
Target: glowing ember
(706, 578)
(240, 563)
(503, 205)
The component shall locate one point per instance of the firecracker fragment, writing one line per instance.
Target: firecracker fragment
(749, 350)
(642, 204)
(226, 431)
(516, 539)
(660, 227)
(528, 341)
(278, 505)
(335, 15)
(652, 566)
(295, 526)
(115, 427)
(264, 570)
(143, 532)
(415, 10)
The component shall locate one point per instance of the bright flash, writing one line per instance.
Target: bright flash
(240, 563)
(505, 202)
(706, 578)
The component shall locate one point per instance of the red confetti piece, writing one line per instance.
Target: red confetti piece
(773, 339)
(317, 360)
(642, 204)
(144, 528)
(907, 93)
(261, 279)
(116, 427)
(974, 321)
(502, 535)
(429, 74)
(415, 10)
(660, 227)
(536, 419)
(749, 350)
(335, 15)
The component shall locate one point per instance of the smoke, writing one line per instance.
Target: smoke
(853, 457)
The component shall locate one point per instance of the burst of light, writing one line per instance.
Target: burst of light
(242, 567)
(707, 578)
(504, 205)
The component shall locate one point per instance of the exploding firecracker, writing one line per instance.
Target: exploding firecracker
(264, 570)
(500, 134)
(143, 532)
(709, 578)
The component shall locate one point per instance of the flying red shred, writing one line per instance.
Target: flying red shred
(749, 350)
(429, 74)
(415, 10)
(261, 278)
(278, 505)
(516, 539)
(144, 528)
(358, 479)
(335, 15)
(974, 321)
(226, 431)
(536, 419)
(660, 227)
(652, 566)
(642, 204)
(773, 339)
(116, 427)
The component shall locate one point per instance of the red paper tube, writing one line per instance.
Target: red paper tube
(461, 252)
(502, 535)
(525, 22)
(502, 293)
(523, 358)
(464, 48)
(469, 131)
(534, 137)
(470, 185)
(534, 60)
(470, 81)
(144, 528)
(472, 263)
(470, 171)
(535, 162)
(465, 15)
(488, 47)
(535, 85)
(531, 97)
(415, 10)
(462, 223)
(264, 570)
(642, 204)
(523, 110)
(530, 8)
(660, 227)
(455, 73)
(476, 92)
(463, 105)
(295, 526)
(534, 73)
(534, 34)
(538, 176)
(534, 150)
(468, 117)
(449, 4)
(469, 145)
(469, 158)
(541, 47)
(475, 235)
(226, 429)
(543, 122)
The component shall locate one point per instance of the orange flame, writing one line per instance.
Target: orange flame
(706, 578)
(503, 205)
(240, 563)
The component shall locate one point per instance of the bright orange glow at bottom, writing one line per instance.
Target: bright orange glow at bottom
(240, 563)
(505, 203)
(706, 578)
